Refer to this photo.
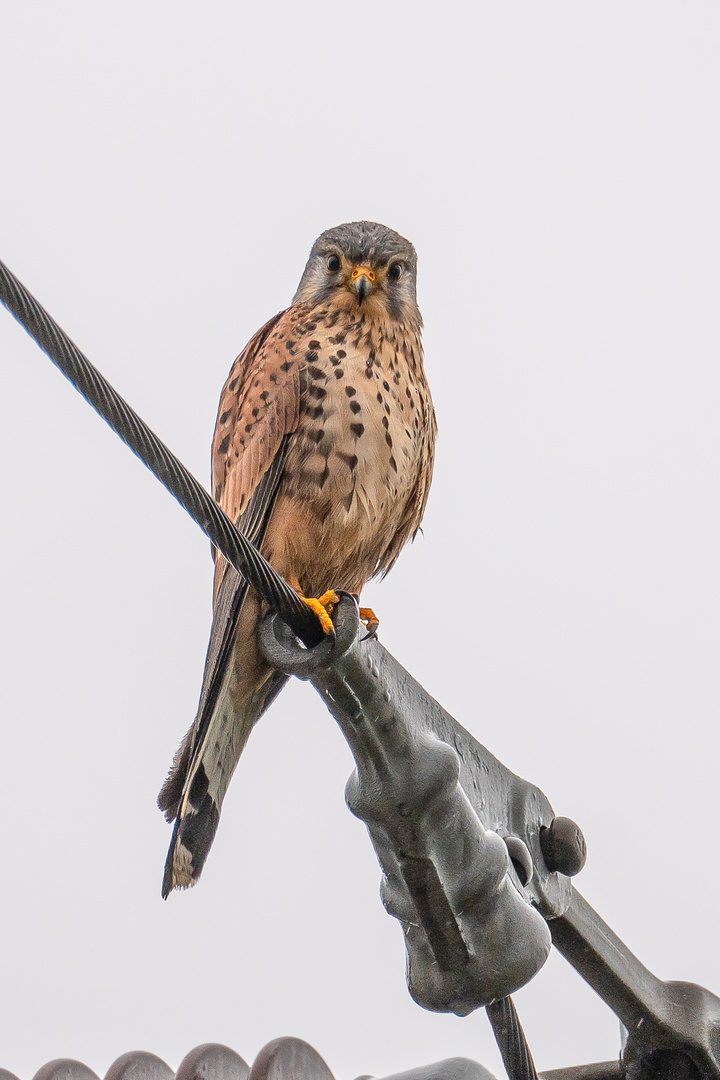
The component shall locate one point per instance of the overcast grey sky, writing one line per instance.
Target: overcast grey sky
(165, 170)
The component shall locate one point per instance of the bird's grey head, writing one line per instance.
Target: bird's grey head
(362, 266)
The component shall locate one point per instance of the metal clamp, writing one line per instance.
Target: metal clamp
(474, 861)
(456, 834)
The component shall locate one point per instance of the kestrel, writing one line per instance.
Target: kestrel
(322, 455)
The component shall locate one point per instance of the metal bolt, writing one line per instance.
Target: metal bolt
(563, 846)
(520, 857)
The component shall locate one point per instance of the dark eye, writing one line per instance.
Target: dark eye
(395, 271)
(333, 264)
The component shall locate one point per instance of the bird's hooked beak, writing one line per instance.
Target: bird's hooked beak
(362, 281)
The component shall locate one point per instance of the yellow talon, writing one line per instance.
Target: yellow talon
(323, 607)
(370, 619)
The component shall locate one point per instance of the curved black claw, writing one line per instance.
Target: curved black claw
(368, 616)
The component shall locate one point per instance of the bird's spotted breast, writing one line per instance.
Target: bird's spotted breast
(355, 458)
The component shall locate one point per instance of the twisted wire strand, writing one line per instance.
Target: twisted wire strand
(221, 531)
(511, 1040)
(153, 453)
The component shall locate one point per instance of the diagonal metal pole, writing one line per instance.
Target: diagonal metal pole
(153, 453)
(510, 1037)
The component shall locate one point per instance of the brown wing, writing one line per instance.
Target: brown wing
(415, 506)
(259, 409)
(259, 405)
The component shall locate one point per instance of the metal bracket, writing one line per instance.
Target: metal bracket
(476, 867)
(456, 833)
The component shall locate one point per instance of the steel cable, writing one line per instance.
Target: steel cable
(511, 1040)
(221, 531)
(135, 433)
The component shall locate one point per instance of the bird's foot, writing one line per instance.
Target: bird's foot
(323, 608)
(368, 616)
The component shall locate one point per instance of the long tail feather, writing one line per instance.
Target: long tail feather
(195, 789)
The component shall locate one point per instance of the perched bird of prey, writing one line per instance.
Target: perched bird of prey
(322, 455)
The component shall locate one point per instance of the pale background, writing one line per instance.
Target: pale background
(165, 168)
